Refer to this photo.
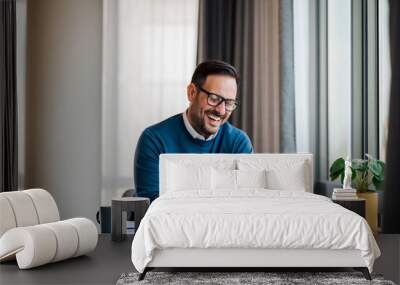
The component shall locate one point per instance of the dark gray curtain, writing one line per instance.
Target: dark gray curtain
(249, 35)
(226, 33)
(8, 98)
(391, 204)
(217, 24)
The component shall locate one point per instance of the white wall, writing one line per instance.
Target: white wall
(21, 15)
(63, 103)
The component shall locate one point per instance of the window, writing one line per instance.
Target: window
(149, 54)
(339, 52)
(384, 76)
(342, 79)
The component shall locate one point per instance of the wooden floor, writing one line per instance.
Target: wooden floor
(103, 266)
(111, 259)
(389, 263)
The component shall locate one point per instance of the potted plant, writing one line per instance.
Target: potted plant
(367, 177)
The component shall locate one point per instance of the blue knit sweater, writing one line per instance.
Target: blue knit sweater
(171, 136)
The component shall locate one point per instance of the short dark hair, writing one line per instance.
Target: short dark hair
(211, 67)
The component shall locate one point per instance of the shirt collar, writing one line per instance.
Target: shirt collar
(193, 132)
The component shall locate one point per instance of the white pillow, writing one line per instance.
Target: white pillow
(292, 179)
(236, 179)
(224, 179)
(183, 177)
(251, 178)
(282, 174)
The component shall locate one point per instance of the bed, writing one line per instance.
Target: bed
(246, 211)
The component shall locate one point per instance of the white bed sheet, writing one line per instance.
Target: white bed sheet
(250, 218)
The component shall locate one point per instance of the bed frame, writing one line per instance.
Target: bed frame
(242, 259)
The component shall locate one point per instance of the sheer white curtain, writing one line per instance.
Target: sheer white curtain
(302, 71)
(339, 79)
(385, 75)
(149, 54)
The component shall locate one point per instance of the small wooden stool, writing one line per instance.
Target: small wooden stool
(137, 205)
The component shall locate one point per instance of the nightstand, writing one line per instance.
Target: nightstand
(122, 206)
(356, 205)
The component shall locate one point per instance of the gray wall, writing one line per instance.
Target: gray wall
(63, 103)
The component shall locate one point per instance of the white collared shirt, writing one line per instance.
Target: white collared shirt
(193, 132)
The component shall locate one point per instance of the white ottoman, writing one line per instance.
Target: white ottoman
(31, 232)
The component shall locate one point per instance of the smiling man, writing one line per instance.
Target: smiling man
(202, 128)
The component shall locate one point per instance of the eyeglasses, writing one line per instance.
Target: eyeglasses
(215, 100)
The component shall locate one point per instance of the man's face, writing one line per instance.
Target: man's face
(204, 118)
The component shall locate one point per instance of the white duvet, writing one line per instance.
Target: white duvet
(251, 218)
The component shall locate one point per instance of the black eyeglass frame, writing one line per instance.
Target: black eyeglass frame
(199, 88)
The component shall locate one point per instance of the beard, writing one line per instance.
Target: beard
(206, 121)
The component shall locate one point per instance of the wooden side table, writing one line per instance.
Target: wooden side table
(137, 205)
(355, 205)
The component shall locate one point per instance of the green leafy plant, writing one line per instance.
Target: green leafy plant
(364, 172)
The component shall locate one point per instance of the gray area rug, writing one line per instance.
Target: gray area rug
(228, 278)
